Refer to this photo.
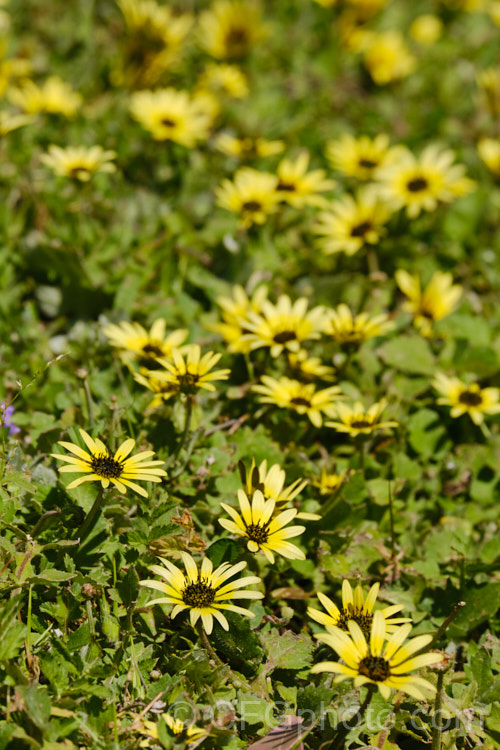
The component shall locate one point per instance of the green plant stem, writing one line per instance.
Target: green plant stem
(91, 516)
(339, 741)
(361, 450)
(88, 399)
(207, 645)
(438, 707)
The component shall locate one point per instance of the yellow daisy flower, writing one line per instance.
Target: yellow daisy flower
(264, 530)
(348, 329)
(172, 115)
(488, 81)
(426, 29)
(225, 79)
(467, 399)
(283, 326)
(310, 367)
(302, 398)
(329, 482)
(154, 41)
(187, 371)
(54, 97)
(204, 592)
(79, 162)
(489, 151)
(421, 184)
(247, 148)
(386, 663)
(136, 344)
(387, 56)
(252, 195)
(179, 729)
(10, 122)
(359, 157)
(355, 607)
(300, 188)
(350, 223)
(230, 28)
(355, 420)
(101, 465)
(439, 298)
(234, 310)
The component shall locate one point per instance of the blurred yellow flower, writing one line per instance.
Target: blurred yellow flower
(301, 188)
(351, 222)
(420, 184)
(272, 485)
(154, 42)
(136, 344)
(310, 368)
(79, 162)
(252, 195)
(467, 399)
(348, 329)
(426, 29)
(355, 420)
(284, 325)
(172, 115)
(231, 28)
(54, 97)
(247, 148)
(387, 56)
(10, 122)
(224, 79)
(488, 81)
(302, 398)
(489, 151)
(329, 482)
(358, 157)
(436, 301)
(234, 311)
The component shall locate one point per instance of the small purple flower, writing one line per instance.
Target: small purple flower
(6, 413)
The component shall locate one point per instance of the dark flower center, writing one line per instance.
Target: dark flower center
(252, 206)
(284, 336)
(198, 594)
(360, 423)
(237, 40)
(257, 533)
(168, 122)
(364, 619)
(80, 170)
(361, 229)
(106, 466)
(374, 667)
(188, 382)
(299, 401)
(286, 186)
(367, 163)
(470, 398)
(153, 350)
(417, 184)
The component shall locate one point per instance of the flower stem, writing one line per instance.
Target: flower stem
(362, 455)
(91, 516)
(207, 645)
(438, 710)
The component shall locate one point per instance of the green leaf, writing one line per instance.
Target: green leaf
(425, 432)
(409, 354)
(287, 650)
(12, 631)
(481, 603)
(129, 587)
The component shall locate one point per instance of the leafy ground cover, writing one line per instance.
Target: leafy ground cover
(250, 374)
